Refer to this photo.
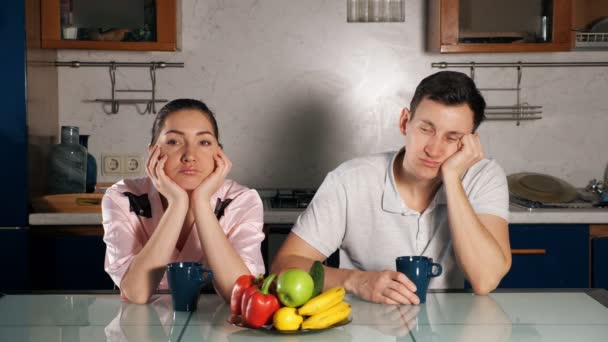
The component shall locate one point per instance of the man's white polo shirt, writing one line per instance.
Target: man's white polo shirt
(359, 210)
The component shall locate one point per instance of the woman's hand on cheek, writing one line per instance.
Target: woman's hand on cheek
(155, 169)
(214, 181)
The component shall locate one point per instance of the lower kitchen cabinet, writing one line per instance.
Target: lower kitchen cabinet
(548, 256)
(14, 259)
(69, 258)
(599, 246)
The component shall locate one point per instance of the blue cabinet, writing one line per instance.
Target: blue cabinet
(13, 132)
(548, 256)
(68, 259)
(599, 246)
(14, 260)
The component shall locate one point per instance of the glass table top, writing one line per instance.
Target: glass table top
(446, 316)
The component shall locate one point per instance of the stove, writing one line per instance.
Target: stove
(286, 199)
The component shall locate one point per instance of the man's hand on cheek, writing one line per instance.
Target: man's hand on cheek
(469, 152)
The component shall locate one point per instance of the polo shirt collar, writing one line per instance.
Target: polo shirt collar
(391, 200)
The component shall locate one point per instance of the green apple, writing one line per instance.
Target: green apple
(295, 287)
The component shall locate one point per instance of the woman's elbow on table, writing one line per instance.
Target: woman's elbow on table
(136, 297)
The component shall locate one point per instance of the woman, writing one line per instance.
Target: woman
(184, 210)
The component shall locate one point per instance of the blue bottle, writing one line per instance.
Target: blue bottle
(91, 180)
(67, 164)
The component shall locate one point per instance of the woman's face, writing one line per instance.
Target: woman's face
(188, 140)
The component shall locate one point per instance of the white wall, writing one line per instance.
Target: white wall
(297, 90)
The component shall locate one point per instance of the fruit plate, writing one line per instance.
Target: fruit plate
(238, 321)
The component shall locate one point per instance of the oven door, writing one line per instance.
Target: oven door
(276, 235)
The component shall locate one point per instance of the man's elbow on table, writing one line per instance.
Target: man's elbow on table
(489, 282)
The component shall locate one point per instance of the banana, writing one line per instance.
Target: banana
(333, 315)
(322, 302)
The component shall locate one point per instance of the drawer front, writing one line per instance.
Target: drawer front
(600, 262)
(548, 256)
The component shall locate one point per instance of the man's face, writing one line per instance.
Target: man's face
(433, 135)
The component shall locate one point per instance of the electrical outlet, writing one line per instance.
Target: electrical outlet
(112, 164)
(133, 164)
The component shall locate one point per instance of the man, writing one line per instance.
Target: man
(436, 197)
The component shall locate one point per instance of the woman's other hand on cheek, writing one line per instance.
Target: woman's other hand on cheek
(214, 181)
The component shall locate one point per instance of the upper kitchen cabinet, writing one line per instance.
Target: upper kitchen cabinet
(590, 24)
(148, 25)
(472, 26)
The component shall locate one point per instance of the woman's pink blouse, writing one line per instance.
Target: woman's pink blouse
(126, 229)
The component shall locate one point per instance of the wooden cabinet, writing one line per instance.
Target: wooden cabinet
(548, 256)
(68, 258)
(60, 30)
(469, 26)
(589, 24)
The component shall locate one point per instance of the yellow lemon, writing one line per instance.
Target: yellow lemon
(286, 318)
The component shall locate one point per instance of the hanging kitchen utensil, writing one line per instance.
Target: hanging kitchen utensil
(540, 188)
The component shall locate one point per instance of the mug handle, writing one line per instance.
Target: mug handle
(439, 270)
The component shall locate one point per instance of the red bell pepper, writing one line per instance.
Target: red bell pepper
(261, 305)
(250, 291)
(241, 284)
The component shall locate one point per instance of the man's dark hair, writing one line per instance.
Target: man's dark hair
(451, 88)
(182, 104)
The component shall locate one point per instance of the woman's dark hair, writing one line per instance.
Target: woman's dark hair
(182, 104)
(451, 88)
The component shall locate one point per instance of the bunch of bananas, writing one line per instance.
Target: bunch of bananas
(321, 312)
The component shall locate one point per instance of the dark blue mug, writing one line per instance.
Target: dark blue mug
(419, 270)
(185, 282)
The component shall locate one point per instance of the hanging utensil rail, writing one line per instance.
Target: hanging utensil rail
(113, 100)
(520, 111)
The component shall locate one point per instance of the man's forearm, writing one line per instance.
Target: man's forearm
(478, 253)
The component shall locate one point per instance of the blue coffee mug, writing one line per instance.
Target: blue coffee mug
(419, 270)
(185, 282)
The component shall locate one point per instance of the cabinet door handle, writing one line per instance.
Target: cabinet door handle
(529, 251)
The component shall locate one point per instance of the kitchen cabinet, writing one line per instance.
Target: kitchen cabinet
(14, 259)
(13, 135)
(77, 24)
(599, 256)
(589, 24)
(68, 258)
(548, 256)
(600, 262)
(473, 26)
(13, 131)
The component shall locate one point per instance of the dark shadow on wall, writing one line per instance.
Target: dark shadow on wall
(304, 149)
(309, 132)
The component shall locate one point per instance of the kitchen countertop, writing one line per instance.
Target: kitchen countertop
(517, 216)
(532, 315)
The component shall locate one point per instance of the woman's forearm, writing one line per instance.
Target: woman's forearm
(224, 261)
(148, 266)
